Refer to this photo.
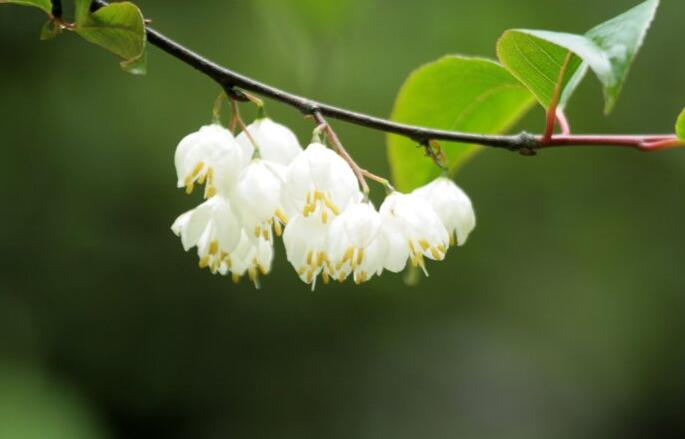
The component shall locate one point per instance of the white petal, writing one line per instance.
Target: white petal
(198, 151)
(257, 194)
(181, 223)
(277, 143)
(452, 205)
(397, 251)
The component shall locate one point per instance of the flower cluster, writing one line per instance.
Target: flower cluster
(262, 184)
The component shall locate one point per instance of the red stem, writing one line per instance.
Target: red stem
(642, 142)
(563, 123)
(552, 113)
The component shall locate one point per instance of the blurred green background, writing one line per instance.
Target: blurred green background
(561, 318)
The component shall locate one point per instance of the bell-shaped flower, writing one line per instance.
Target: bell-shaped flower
(356, 244)
(210, 155)
(412, 229)
(320, 183)
(453, 207)
(276, 142)
(305, 240)
(252, 256)
(258, 199)
(213, 228)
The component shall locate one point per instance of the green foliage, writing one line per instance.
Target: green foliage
(45, 5)
(50, 30)
(620, 39)
(457, 93)
(680, 126)
(81, 10)
(33, 406)
(536, 57)
(119, 28)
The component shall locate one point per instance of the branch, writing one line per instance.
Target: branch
(523, 143)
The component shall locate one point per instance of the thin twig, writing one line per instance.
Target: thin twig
(236, 118)
(232, 82)
(340, 149)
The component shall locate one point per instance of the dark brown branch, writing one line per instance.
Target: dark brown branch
(523, 143)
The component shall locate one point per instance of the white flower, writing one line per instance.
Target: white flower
(413, 230)
(252, 256)
(356, 244)
(213, 228)
(320, 183)
(453, 207)
(305, 245)
(257, 197)
(276, 142)
(207, 155)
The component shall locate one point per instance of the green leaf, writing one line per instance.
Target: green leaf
(45, 5)
(50, 30)
(136, 66)
(456, 93)
(680, 126)
(81, 10)
(620, 38)
(536, 57)
(119, 28)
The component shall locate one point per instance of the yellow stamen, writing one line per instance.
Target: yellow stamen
(277, 228)
(419, 259)
(235, 278)
(348, 254)
(332, 206)
(213, 247)
(189, 187)
(310, 256)
(360, 256)
(257, 231)
(204, 262)
(324, 217)
(424, 244)
(281, 216)
(198, 169)
(263, 269)
(210, 191)
(326, 278)
(252, 273)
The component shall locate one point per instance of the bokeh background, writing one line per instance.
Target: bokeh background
(561, 318)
